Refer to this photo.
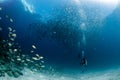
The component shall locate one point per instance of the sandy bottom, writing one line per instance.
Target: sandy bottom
(112, 74)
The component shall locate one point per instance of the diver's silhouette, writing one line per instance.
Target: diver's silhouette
(83, 61)
(83, 64)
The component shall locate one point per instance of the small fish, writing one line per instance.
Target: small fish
(42, 66)
(42, 61)
(3, 40)
(14, 35)
(0, 28)
(12, 39)
(15, 50)
(14, 30)
(0, 18)
(9, 44)
(0, 8)
(18, 56)
(23, 55)
(54, 32)
(10, 33)
(6, 16)
(27, 59)
(23, 61)
(12, 60)
(36, 65)
(11, 20)
(40, 57)
(31, 61)
(37, 55)
(18, 59)
(33, 46)
(35, 58)
(31, 72)
(31, 51)
(10, 50)
(9, 28)
(25, 64)
(35, 70)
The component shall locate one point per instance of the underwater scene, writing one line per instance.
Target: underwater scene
(59, 39)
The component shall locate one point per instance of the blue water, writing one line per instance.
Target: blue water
(47, 24)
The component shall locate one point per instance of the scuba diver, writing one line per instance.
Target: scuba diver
(83, 61)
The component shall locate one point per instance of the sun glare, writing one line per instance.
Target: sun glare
(4, 1)
(108, 2)
(1, 1)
